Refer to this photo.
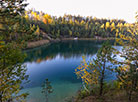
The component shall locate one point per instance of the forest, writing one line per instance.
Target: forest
(19, 26)
(73, 26)
(44, 26)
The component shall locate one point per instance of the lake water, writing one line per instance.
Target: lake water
(57, 62)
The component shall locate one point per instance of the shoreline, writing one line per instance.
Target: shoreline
(38, 43)
(99, 39)
(34, 44)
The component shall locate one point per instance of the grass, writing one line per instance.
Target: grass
(111, 96)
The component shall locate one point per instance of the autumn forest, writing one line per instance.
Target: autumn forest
(70, 58)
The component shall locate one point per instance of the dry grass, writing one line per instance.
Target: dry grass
(120, 96)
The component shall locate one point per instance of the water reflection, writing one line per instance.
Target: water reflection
(68, 49)
(57, 62)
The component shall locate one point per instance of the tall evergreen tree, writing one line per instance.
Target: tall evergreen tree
(128, 69)
(94, 73)
(12, 72)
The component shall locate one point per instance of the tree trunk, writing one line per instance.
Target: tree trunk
(0, 98)
(102, 80)
(130, 96)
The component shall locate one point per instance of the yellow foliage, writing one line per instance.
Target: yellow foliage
(38, 17)
(47, 16)
(119, 25)
(82, 71)
(1, 44)
(26, 16)
(102, 26)
(94, 18)
(37, 31)
(50, 21)
(112, 26)
(70, 21)
(82, 22)
(76, 22)
(45, 21)
(107, 25)
(126, 24)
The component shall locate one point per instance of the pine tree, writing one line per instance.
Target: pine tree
(12, 72)
(93, 73)
(128, 69)
(47, 89)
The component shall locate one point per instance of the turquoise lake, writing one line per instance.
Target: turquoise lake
(57, 62)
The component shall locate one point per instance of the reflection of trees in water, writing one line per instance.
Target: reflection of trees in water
(66, 49)
(47, 89)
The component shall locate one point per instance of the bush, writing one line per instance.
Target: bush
(82, 94)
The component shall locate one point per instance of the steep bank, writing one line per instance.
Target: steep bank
(46, 41)
(36, 43)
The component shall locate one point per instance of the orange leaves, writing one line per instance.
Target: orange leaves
(38, 60)
(45, 21)
(1, 26)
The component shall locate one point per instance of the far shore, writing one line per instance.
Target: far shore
(62, 39)
(38, 43)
